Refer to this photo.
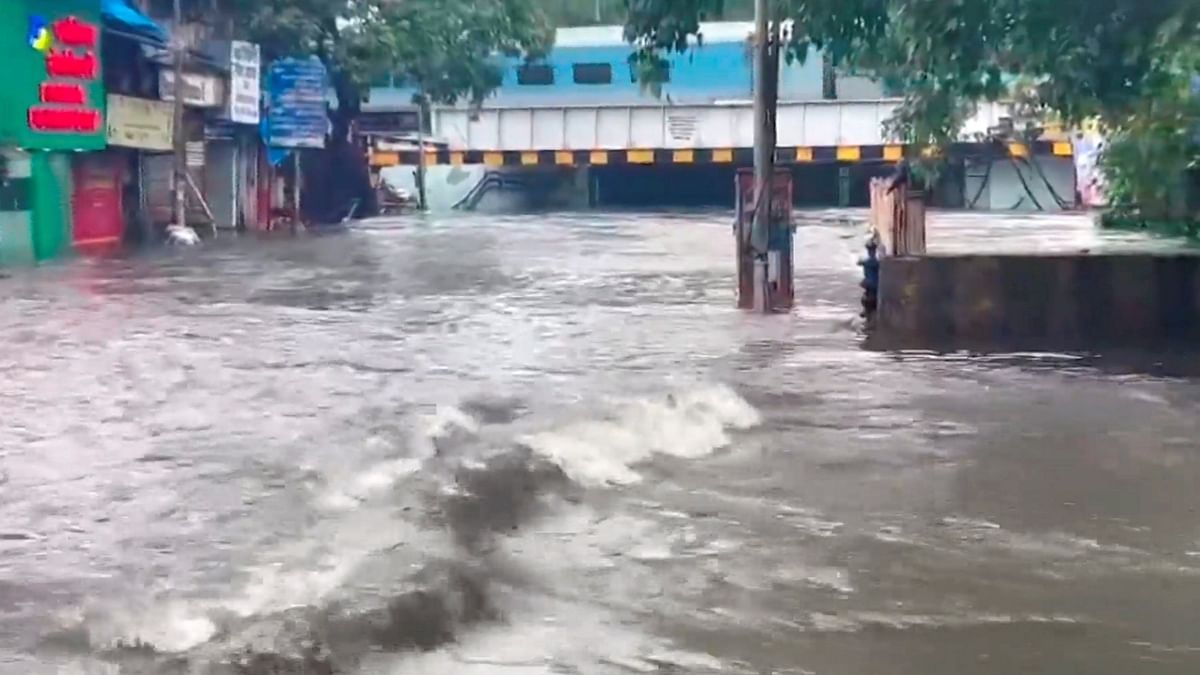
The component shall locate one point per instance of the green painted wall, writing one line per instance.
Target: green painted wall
(25, 70)
(16, 188)
(35, 206)
(51, 203)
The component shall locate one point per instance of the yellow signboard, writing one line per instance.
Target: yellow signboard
(140, 123)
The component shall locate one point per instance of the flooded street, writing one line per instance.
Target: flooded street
(493, 445)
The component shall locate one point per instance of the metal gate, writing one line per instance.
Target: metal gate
(221, 182)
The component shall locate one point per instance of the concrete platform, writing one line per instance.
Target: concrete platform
(1039, 301)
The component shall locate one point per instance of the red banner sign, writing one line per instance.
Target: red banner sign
(64, 120)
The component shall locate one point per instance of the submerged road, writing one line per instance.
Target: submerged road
(492, 445)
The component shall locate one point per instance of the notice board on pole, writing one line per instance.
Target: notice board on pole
(297, 112)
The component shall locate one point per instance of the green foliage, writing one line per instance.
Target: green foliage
(592, 12)
(444, 47)
(1151, 153)
(1077, 58)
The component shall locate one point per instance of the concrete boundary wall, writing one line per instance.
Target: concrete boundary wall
(1052, 301)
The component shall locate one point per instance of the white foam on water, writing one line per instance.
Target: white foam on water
(169, 627)
(551, 636)
(309, 571)
(378, 478)
(445, 420)
(369, 482)
(689, 424)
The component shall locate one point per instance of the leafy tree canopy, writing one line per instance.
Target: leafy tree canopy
(444, 47)
(1079, 58)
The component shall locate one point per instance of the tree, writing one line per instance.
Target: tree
(447, 46)
(447, 49)
(591, 12)
(1082, 57)
(1154, 152)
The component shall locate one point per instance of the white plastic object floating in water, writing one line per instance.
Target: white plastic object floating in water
(182, 235)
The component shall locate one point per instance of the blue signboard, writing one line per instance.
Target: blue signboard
(297, 114)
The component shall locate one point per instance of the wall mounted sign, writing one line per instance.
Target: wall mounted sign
(245, 83)
(70, 47)
(52, 97)
(140, 123)
(199, 90)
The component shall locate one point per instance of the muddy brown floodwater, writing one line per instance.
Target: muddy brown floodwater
(548, 444)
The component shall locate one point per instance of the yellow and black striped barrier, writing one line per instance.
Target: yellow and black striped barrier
(733, 156)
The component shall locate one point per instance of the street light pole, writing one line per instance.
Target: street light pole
(180, 135)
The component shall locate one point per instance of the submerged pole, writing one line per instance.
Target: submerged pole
(765, 102)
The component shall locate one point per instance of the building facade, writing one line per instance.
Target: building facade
(52, 107)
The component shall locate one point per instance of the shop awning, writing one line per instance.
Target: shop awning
(128, 21)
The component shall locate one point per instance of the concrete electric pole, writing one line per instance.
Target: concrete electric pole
(180, 135)
(766, 73)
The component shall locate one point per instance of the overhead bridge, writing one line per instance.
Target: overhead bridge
(721, 133)
(734, 156)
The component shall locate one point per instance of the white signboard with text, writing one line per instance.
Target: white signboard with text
(140, 123)
(199, 90)
(245, 82)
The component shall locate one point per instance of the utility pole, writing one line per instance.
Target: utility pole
(766, 54)
(422, 174)
(180, 139)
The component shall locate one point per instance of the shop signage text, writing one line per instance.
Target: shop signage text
(245, 82)
(201, 91)
(140, 123)
(70, 49)
(297, 114)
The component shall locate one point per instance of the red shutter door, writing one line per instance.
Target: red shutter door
(96, 201)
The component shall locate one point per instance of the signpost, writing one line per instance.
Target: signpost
(297, 116)
(296, 105)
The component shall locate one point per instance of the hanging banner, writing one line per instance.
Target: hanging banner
(297, 114)
(140, 123)
(245, 82)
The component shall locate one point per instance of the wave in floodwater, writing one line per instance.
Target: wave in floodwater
(403, 554)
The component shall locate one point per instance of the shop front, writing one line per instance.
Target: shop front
(112, 193)
(51, 107)
(232, 171)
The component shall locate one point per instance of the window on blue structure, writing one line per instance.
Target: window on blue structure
(592, 73)
(535, 74)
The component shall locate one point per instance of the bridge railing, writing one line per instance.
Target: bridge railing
(720, 125)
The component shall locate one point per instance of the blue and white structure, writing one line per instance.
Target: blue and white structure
(581, 107)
